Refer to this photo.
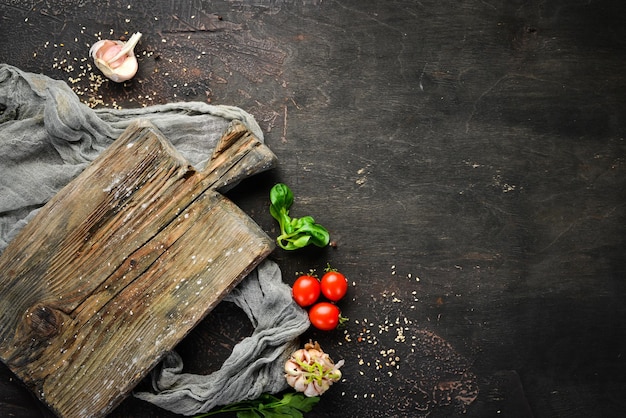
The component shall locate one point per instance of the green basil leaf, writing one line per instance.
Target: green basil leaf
(295, 224)
(302, 224)
(281, 196)
(248, 414)
(276, 413)
(282, 216)
(286, 224)
(288, 412)
(288, 397)
(275, 212)
(294, 232)
(267, 398)
(298, 241)
(307, 220)
(319, 235)
(303, 403)
(286, 243)
(268, 406)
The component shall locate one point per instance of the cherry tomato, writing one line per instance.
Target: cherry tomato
(325, 316)
(334, 285)
(306, 290)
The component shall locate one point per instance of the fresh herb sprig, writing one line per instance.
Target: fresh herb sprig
(269, 406)
(294, 232)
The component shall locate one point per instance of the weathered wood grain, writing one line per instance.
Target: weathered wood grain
(121, 264)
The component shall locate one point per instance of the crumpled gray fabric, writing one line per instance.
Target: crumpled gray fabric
(47, 137)
(256, 364)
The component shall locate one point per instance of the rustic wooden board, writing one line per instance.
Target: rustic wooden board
(121, 264)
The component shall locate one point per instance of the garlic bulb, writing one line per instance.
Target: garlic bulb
(116, 59)
(311, 371)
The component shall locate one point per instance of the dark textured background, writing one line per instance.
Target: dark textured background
(467, 156)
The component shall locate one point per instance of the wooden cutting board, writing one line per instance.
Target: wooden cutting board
(121, 264)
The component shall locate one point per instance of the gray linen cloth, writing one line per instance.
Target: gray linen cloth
(47, 137)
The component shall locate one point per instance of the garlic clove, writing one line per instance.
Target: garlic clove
(309, 390)
(116, 59)
(311, 370)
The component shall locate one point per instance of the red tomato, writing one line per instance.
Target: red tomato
(306, 290)
(334, 285)
(325, 316)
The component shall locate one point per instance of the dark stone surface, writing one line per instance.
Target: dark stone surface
(468, 158)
